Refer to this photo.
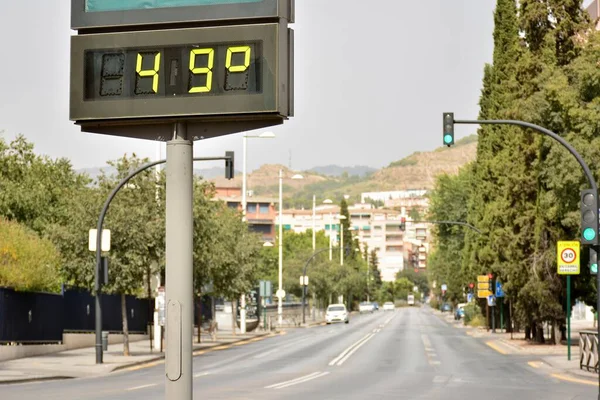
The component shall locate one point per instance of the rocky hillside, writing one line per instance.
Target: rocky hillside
(417, 171)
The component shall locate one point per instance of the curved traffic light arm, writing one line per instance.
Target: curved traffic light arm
(98, 279)
(547, 132)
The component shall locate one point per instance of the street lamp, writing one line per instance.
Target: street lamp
(264, 135)
(328, 201)
(280, 290)
(340, 218)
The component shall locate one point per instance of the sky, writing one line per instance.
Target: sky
(372, 79)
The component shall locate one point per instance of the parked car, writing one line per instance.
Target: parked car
(446, 307)
(366, 307)
(389, 306)
(460, 311)
(337, 313)
(376, 306)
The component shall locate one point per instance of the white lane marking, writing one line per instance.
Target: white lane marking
(343, 353)
(143, 386)
(302, 379)
(429, 350)
(354, 350)
(201, 374)
(281, 347)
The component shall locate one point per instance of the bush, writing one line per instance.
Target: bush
(27, 262)
(435, 304)
(476, 321)
(472, 311)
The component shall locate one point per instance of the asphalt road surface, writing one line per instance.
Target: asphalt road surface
(406, 354)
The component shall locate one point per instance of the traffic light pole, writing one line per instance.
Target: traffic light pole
(580, 160)
(98, 277)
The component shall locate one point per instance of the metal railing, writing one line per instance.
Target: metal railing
(588, 350)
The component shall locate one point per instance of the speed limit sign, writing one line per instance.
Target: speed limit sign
(567, 259)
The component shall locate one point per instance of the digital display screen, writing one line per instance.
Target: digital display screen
(123, 5)
(174, 71)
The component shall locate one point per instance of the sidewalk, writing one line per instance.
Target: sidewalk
(81, 363)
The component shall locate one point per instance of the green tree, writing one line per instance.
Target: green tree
(445, 263)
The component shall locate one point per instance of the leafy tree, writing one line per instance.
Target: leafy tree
(36, 190)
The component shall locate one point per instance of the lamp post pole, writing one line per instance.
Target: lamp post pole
(244, 207)
(279, 299)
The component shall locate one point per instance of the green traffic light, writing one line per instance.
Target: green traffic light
(594, 268)
(447, 139)
(589, 234)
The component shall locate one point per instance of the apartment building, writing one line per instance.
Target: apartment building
(379, 229)
(260, 211)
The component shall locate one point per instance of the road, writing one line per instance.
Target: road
(406, 354)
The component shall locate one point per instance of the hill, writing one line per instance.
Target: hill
(336, 170)
(417, 171)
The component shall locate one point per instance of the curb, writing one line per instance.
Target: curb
(38, 379)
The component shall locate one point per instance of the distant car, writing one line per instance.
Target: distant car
(411, 299)
(389, 306)
(336, 313)
(365, 307)
(376, 306)
(446, 307)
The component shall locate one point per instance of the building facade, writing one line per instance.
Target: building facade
(260, 211)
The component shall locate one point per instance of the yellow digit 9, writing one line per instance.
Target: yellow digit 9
(238, 68)
(202, 70)
(149, 72)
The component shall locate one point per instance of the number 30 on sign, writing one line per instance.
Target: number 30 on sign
(567, 258)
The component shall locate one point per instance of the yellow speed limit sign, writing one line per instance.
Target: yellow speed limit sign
(567, 258)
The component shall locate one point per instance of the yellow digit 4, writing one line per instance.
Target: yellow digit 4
(202, 70)
(149, 72)
(238, 68)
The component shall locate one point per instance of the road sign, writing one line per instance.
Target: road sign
(484, 286)
(444, 287)
(499, 291)
(280, 293)
(470, 297)
(491, 300)
(265, 289)
(567, 257)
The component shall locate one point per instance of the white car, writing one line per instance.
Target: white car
(389, 306)
(337, 313)
(366, 307)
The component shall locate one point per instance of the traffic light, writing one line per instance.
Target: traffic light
(403, 224)
(593, 262)
(589, 217)
(448, 129)
(229, 165)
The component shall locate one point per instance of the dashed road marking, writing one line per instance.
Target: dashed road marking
(574, 380)
(496, 347)
(142, 387)
(302, 379)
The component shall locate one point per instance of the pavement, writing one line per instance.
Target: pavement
(81, 363)
(410, 353)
